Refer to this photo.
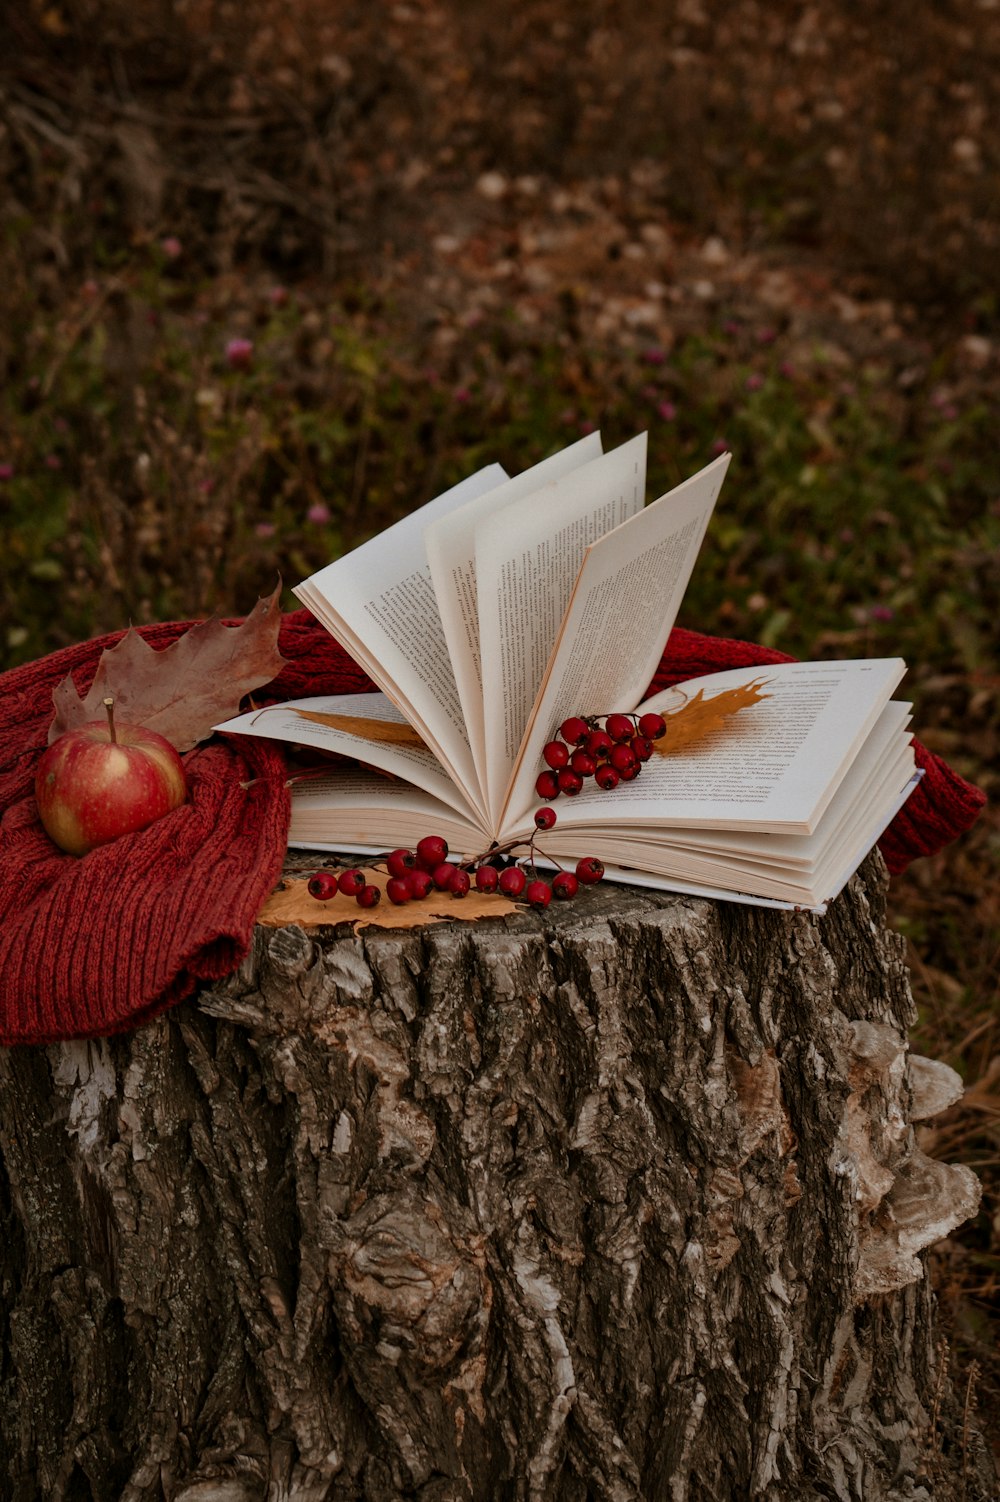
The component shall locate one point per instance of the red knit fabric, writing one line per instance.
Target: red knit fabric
(98, 944)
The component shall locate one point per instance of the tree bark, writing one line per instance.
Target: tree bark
(619, 1201)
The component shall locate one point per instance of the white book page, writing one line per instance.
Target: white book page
(884, 761)
(773, 766)
(725, 881)
(356, 809)
(867, 811)
(622, 610)
(450, 548)
(379, 603)
(415, 764)
(807, 886)
(527, 561)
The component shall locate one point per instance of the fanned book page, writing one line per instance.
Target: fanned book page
(527, 561)
(379, 603)
(450, 545)
(622, 608)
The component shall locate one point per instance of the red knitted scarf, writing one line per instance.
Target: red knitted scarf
(96, 945)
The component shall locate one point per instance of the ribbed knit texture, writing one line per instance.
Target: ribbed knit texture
(95, 945)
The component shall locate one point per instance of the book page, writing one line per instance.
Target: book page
(624, 604)
(773, 766)
(379, 603)
(451, 555)
(888, 752)
(356, 809)
(527, 561)
(414, 764)
(806, 885)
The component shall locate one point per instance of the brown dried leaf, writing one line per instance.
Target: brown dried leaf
(293, 904)
(185, 689)
(390, 732)
(700, 716)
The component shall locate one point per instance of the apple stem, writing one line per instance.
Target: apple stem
(109, 705)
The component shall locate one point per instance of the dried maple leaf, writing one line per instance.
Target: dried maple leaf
(700, 716)
(185, 689)
(390, 732)
(294, 904)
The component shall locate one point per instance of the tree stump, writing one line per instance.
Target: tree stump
(617, 1201)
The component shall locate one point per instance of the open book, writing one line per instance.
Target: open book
(505, 605)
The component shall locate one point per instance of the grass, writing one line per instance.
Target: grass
(151, 477)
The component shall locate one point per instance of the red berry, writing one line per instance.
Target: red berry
(642, 746)
(622, 757)
(547, 785)
(350, 882)
(442, 875)
(570, 782)
(606, 777)
(589, 870)
(544, 818)
(581, 761)
(555, 754)
(629, 774)
(431, 851)
(652, 725)
(487, 878)
(369, 896)
(323, 885)
(574, 729)
(400, 862)
(421, 884)
(619, 727)
(539, 893)
(598, 743)
(459, 883)
(565, 885)
(398, 889)
(512, 881)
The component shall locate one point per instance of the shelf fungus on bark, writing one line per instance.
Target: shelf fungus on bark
(905, 1200)
(926, 1202)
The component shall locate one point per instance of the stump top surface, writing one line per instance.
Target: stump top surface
(607, 900)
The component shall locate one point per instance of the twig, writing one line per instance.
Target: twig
(77, 332)
(944, 1358)
(968, 1409)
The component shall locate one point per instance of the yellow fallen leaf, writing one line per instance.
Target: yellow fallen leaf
(391, 732)
(700, 716)
(293, 904)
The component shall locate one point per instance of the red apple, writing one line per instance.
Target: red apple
(105, 779)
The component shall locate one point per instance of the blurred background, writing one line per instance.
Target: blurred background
(275, 272)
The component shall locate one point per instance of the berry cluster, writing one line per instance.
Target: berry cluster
(610, 748)
(414, 874)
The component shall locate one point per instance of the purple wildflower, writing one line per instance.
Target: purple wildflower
(239, 354)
